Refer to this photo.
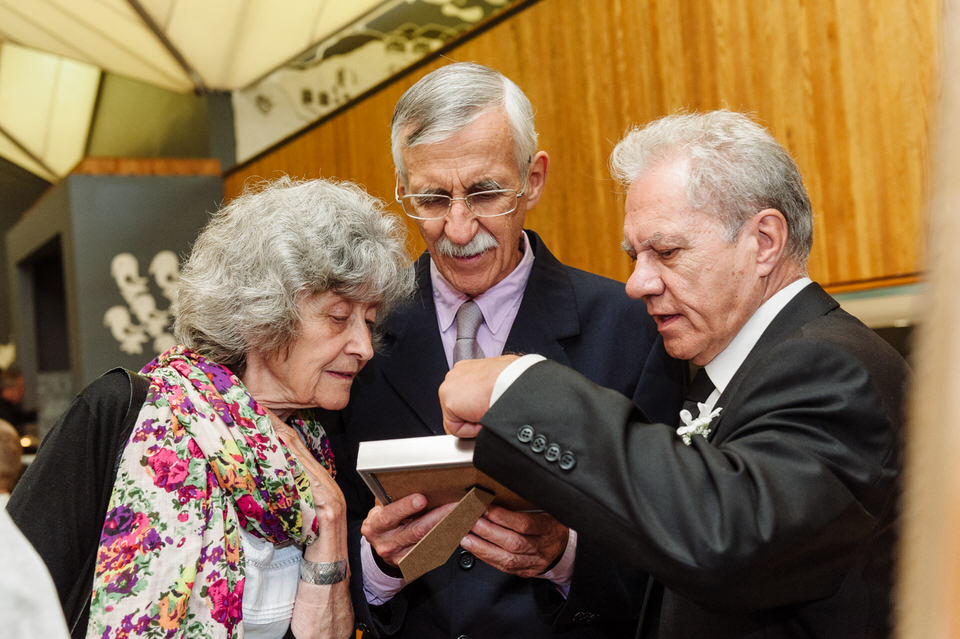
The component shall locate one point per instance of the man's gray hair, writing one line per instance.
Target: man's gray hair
(271, 246)
(735, 169)
(446, 101)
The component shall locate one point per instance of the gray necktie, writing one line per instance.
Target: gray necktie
(469, 319)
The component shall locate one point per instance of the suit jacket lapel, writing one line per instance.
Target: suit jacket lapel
(413, 362)
(548, 312)
(808, 304)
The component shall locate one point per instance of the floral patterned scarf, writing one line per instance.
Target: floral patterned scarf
(202, 461)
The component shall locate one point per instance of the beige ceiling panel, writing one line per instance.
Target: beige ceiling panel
(208, 35)
(20, 25)
(105, 33)
(115, 38)
(46, 103)
(232, 43)
(271, 36)
(229, 43)
(72, 109)
(160, 10)
(46, 99)
(337, 15)
(27, 81)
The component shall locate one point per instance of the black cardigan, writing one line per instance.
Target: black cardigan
(61, 500)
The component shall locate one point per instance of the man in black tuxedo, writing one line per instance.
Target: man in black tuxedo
(771, 511)
(468, 169)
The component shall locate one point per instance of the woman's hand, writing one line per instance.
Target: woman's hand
(327, 498)
(328, 501)
(320, 611)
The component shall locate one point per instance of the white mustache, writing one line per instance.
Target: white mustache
(481, 242)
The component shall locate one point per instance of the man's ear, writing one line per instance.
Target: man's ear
(536, 178)
(771, 233)
(400, 189)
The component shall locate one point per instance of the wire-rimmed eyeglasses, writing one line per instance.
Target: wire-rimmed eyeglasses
(432, 206)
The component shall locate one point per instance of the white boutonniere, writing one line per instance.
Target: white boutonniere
(699, 426)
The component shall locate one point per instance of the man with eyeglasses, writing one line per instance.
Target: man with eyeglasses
(468, 170)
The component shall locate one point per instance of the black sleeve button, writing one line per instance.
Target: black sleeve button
(525, 433)
(553, 453)
(567, 461)
(538, 444)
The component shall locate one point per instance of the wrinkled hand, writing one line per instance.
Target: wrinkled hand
(392, 530)
(522, 544)
(465, 393)
(328, 499)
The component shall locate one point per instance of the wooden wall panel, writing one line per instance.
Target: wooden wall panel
(845, 85)
(146, 166)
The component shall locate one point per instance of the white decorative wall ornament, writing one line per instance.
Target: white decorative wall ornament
(141, 320)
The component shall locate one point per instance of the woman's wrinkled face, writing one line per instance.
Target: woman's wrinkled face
(317, 370)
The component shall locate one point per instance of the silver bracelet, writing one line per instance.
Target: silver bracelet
(323, 573)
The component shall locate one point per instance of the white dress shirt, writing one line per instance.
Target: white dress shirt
(724, 366)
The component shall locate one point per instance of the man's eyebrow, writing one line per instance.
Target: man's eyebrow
(660, 238)
(430, 190)
(657, 237)
(486, 184)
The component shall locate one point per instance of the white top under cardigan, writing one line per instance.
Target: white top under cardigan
(272, 577)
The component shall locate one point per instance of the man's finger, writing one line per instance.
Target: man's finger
(522, 522)
(462, 429)
(505, 538)
(396, 512)
(522, 565)
(399, 515)
(391, 542)
(422, 525)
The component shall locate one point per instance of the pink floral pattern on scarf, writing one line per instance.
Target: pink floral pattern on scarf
(202, 462)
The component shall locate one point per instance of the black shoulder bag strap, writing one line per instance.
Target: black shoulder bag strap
(138, 395)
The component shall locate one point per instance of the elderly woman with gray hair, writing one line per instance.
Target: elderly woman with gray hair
(223, 518)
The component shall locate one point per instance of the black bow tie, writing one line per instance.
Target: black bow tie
(699, 391)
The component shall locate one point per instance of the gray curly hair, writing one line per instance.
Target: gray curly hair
(276, 243)
(446, 101)
(736, 169)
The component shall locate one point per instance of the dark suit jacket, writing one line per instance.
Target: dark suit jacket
(576, 318)
(781, 525)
